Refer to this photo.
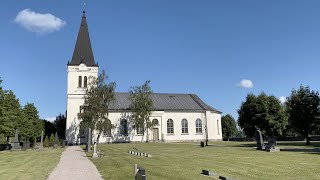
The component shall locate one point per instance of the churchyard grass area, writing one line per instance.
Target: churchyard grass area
(29, 164)
(236, 160)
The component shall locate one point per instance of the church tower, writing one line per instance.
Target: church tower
(81, 67)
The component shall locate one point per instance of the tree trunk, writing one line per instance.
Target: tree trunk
(147, 139)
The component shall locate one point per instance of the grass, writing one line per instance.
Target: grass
(29, 164)
(237, 160)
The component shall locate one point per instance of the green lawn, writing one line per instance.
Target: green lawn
(238, 160)
(29, 164)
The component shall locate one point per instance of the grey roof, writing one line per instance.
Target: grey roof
(163, 101)
(83, 51)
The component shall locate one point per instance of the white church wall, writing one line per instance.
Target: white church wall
(162, 118)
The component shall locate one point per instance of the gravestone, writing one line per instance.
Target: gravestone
(56, 141)
(95, 155)
(26, 144)
(39, 145)
(270, 147)
(64, 143)
(139, 173)
(16, 144)
(89, 139)
(259, 139)
(201, 144)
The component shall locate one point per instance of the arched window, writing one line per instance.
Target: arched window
(108, 128)
(184, 126)
(155, 122)
(198, 126)
(124, 127)
(85, 82)
(140, 129)
(80, 81)
(170, 129)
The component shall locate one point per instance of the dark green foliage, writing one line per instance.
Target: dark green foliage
(303, 109)
(51, 140)
(46, 142)
(265, 112)
(31, 126)
(60, 126)
(95, 111)
(49, 128)
(229, 127)
(141, 105)
(11, 115)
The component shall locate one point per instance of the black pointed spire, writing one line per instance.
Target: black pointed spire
(83, 51)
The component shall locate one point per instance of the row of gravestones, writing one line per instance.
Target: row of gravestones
(15, 144)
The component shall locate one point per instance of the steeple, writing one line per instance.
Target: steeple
(83, 51)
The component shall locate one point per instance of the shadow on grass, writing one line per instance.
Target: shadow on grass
(298, 143)
(305, 150)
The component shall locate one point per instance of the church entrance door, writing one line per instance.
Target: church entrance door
(155, 134)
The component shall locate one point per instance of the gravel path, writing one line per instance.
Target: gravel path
(74, 165)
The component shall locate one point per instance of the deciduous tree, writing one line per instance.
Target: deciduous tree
(98, 97)
(229, 127)
(303, 107)
(141, 106)
(263, 111)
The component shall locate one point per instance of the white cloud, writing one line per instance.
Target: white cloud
(39, 23)
(51, 119)
(245, 83)
(282, 99)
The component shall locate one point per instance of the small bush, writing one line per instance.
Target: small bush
(46, 142)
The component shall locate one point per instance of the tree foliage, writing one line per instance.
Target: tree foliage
(13, 117)
(263, 111)
(10, 114)
(303, 107)
(229, 127)
(60, 126)
(141, 106)
(31, 125)
(98, 97)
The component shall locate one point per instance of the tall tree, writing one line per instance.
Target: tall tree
(141, 106)
(30, 126)
(60, 125)
(263, 111)
(10, 114)
(303, 107)
(98, 97)
(229, 127)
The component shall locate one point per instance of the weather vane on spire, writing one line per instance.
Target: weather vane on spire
(84, 6)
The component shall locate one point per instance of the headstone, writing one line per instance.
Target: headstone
(26, 145)
(207, 173)
(224, 178)
(56, 141)
(201, 144)
(259, 139)
(16, 144)
(64, 142)
(89, 139)
(39, 145)
(270, 147)
(95, 155)
(140, 173)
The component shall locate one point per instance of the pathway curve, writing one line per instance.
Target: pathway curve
(74, 165)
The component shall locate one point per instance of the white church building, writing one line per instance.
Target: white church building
(177, 117)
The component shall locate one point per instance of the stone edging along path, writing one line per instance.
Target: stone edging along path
(74, 165)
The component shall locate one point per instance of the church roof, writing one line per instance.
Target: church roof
(83, 51)
(164, 101)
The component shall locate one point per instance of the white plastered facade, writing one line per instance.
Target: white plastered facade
(210, 121)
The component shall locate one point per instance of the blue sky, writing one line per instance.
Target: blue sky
(205, 47)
